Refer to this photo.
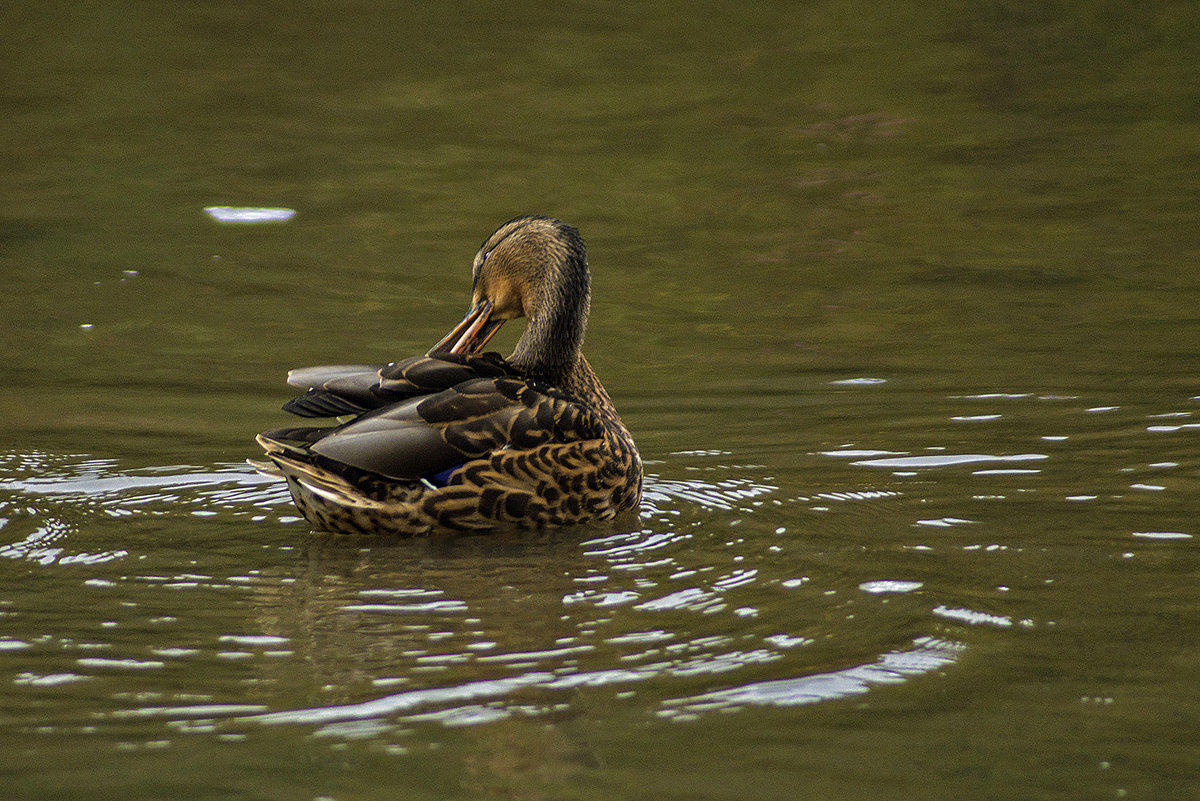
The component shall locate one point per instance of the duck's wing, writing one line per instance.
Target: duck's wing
(341, 389)
(334, 390)
(427, 435)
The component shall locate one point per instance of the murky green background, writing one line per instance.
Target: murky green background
(900, 300)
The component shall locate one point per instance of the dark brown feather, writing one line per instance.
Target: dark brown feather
(337, 390)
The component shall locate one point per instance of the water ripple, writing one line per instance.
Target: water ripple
(947, 460)
(721, 495)
(405, 701)
(476, 628)
(891, 668)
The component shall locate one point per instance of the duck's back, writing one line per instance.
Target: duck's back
(453, 442)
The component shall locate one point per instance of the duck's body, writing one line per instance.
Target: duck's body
(461, 440)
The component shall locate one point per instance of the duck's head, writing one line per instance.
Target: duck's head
(534, 267)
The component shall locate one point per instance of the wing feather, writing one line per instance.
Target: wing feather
(341, 389)
(427, 415)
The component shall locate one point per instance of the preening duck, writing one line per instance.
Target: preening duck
(458, 439)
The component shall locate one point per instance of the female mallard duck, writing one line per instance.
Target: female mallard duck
(456, 439)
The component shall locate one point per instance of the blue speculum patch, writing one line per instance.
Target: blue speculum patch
(440, 478)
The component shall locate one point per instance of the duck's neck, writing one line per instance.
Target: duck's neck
(552, 345)
(544, 352)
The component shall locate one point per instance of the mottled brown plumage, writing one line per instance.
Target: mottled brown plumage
(461, 440)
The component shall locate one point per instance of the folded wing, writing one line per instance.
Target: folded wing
(340, 389)
(424, 416)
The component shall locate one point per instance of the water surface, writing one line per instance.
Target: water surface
(900, 305)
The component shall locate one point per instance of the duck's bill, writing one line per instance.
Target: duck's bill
(472, 333)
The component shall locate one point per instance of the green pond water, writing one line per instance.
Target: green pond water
(900, 301)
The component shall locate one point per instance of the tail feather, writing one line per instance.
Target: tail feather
(290, 440)
(322, 403)
(265, 468)
(322, 483)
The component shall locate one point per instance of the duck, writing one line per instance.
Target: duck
(464, 440)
